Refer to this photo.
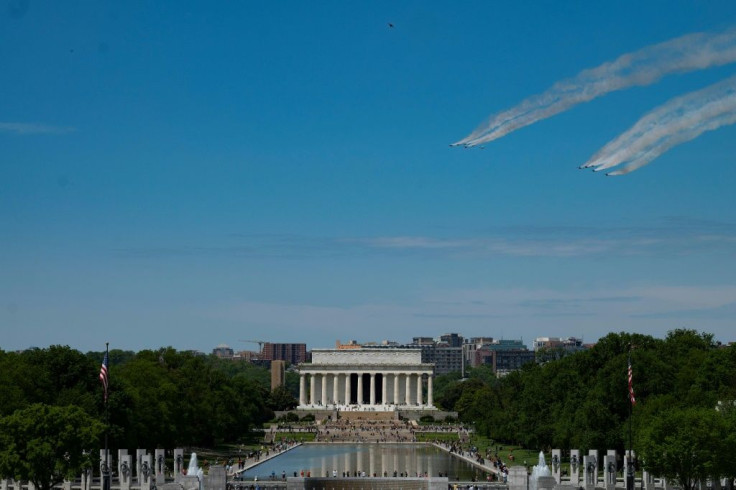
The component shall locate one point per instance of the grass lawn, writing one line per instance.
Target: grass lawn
(509, 454)
(295, 436)
(436, 436)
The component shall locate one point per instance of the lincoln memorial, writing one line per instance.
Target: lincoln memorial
(377, 379)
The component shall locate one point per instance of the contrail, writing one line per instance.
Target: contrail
(687, 53)
(676, 121)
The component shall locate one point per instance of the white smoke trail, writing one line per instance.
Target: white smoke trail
(678, 120)
(655, 152)
(646, 66)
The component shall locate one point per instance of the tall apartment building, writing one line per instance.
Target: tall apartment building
(503, 356)
(446, 355)
(452, 339)
(223, 351)
(291, 353)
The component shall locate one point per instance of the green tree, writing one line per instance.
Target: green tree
(47, 444)
(686, 445)
(281, 399)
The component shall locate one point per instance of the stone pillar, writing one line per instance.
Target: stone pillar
(595, 459)
(590, 472)
(518, 478)
(575, 463)
(360, 388)
(419, 390)
(159, 466)
(629, 456)
(556, 466)
(648, 480)
(609, 471)
(302, 389)
(178, 463)
(335, 388)
(216, 478)
(430, 393)
(137, 467)
(373, 389)
(105, 457)
(396, 388)
(408, 389)
(146, 472)
(347, 388)
(324, 389)
(86, 480)
(312, 390)
(125, 473)
(384, 389)
(3, 484)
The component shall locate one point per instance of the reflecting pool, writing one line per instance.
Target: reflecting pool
(374, 459)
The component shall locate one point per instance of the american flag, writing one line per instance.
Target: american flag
(103, 375)
(632, 398)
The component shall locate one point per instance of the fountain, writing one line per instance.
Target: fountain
(194, 478)
(541, 478)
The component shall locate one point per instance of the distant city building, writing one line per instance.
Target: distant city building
(569, 344)
(505, 361)
(246, 355)
(506, 344)
(451, 353)
(471, 345)
(448, 359)
(291, 353)
(452, 339)
(352, 344)
(223, 351)
(446, 355)
(503, 356)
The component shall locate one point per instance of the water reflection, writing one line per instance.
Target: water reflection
(373, 459)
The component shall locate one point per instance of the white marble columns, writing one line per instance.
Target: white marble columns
(365, 388)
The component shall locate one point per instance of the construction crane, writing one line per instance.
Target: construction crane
(259, 342)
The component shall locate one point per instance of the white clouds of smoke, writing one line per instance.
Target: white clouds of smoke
(678, 120)
(687, 53)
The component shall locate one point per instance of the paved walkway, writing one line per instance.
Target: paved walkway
(263, 459)
(466, 456)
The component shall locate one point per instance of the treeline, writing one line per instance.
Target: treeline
(581, 400)
(162, 398)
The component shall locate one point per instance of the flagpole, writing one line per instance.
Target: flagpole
(630, 459)
(106, 475)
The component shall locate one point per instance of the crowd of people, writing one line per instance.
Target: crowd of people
(365, 431)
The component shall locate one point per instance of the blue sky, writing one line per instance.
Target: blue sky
(192, 173)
